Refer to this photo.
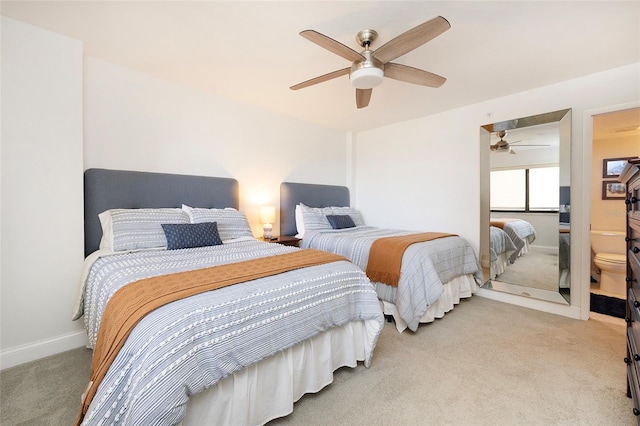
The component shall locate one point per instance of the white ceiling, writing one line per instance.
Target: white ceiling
(251, 51)
(620, 124)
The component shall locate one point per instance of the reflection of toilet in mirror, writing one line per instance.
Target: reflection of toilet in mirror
(610, 259)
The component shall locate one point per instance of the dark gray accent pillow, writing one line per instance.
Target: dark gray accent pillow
(340, 221)
(189, 235)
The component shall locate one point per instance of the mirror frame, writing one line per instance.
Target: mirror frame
(563, 117)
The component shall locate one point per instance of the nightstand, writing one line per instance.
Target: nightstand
(284, 240)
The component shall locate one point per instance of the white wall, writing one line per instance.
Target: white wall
(423, 174)
(134, 121)
(130, 121)
(412, 175)
(42, 220)
(545, 224)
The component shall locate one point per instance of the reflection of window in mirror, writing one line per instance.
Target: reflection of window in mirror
(544, 189)
(527, 187)
(525, 190)
(508, 190)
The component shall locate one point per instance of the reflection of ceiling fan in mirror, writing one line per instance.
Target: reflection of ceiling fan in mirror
(370, 66)
(504, 146)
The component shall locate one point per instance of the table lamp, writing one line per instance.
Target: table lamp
(268, 216)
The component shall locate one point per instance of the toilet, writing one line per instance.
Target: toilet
(611, 259)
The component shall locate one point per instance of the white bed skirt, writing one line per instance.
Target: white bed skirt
(499, 265)
(526, 247)
(267, 390)
(456, 289)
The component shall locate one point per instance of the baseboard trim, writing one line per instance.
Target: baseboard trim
(546, 249)
(33, 351)
(608, 305)
(539, 305)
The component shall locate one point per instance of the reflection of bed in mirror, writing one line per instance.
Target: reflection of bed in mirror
(521, 232)
(529, 194)
(501, 249)
(236, 354)
(434, 274)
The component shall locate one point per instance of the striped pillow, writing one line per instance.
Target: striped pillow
(350, 211)
(315, 218)
(231, 222)
(133, 229)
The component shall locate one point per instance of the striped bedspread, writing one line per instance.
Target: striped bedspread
(385, 255)
(425, 266)
(501, 243)
(520, 231)
(184, 347)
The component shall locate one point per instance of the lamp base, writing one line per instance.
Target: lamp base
(268, 235)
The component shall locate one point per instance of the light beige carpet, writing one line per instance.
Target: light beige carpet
(484, 363)
(535, 269)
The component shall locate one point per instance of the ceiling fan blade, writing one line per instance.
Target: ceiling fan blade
(331, 45)
(412, 75)
(321, 79)
(534, 144)
(411, 39)
(362, 97)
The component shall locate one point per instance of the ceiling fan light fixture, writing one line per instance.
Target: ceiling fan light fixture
(366, 78)
(506, 150)
(368, 67)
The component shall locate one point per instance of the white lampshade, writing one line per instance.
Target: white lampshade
(268, 214)
(366, 78)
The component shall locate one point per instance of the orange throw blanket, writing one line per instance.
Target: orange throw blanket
(132, 302)
(499, 223)
(385, 256)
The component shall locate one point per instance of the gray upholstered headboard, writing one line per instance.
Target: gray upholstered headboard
(312, 195)
(118, 189)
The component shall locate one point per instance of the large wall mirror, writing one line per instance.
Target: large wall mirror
(526, 207)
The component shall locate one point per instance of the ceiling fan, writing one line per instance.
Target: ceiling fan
(370, 66)
(504, 146)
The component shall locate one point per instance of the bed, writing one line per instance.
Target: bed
(521, 232)
(434, 274)
(233, 354)
(501, 249)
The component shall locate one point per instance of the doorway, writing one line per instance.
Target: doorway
(615, 138)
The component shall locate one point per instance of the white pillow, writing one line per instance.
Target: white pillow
(231, 223)
(299, 222)
(133, 229)
(315, 218)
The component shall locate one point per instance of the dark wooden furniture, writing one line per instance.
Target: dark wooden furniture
(631, 177)
(284, 240)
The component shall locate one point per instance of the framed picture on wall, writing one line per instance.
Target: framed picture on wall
(612, 190)
(612, 167)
